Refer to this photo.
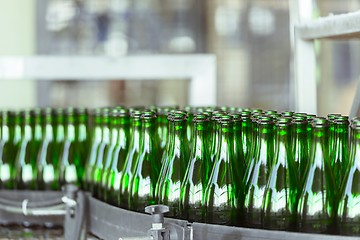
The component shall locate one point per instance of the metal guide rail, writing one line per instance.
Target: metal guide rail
(79, 213)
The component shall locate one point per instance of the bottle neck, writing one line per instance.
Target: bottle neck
(226, 139)
(265, 136)
(341, 134)
(179, 138)
(320, 142)
(200, 137)
(48, 131)
(136, 133)
(355, 147)
(27, 132)
(148, 135)
(282, 142)
(36, 127)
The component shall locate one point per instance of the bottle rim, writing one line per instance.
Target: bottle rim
(319, 122)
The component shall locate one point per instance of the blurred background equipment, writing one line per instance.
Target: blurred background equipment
(250, 39)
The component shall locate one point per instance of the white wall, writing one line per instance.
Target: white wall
(17, 37)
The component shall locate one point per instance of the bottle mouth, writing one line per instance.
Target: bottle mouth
(148, 115)
(265, 119)
(135, 113)
(319, 122)
(355, 123)
(256, 110)
(200, 118)
(298, 120)
(283, 121)
(236, 117)
(177, 116)
(341, 120)
(287, 114)
(332, 116)
(245, 114)
(225, 119)
(123, 112)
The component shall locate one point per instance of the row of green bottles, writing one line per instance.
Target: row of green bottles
(232, 166)
(248, 168)
(42, 149)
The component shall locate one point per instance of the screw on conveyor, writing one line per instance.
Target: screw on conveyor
(158, 231)
(70, 197)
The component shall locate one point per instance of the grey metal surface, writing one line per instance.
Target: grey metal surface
(75, 225)
(216, 232)
(109, 222)
(32, 196)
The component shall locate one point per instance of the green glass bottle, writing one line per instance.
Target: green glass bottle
(118, 158)
(279, 205)
(258, 173)
(73, 151)
(95, 143)
(287, 114)
(316, 202)
(96, 172)
(221, 202)
(310, 118)
(9, 140)
(349, 210)
(147, 166)
(238, 148)
(37, 131)
(246, 134)
(114, 124)
(172, 172)
(214, 138)
(82, 140)
(189, 126)
(300, 151)
(48, 156)
(59, 133)
(162, 129)
(331, 117)
(197, 173)
(340, 151)
(132, 155)
(26, 174)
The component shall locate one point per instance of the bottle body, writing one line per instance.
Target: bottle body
(279, 206)
(349, 211)
(258, 173)
(221, 200)
(197, 173)
(316, 202)
(168, 187)
(147, 166)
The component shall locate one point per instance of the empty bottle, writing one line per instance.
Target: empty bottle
(197, 173)
(95, 143)
(279, 206)
(147, 166)
(73, 151)
(221, 200)
(132, 155)
(10, 139)
(349, 206)
(173, 170)
(340, 150)
(258, 173)
(26, 170)
(112, 189)
(48, 156)
(316, 202)
(96, 172)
